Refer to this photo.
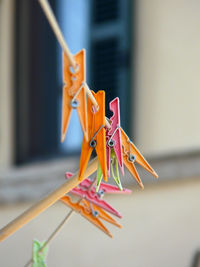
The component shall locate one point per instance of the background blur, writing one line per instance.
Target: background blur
(148, 54)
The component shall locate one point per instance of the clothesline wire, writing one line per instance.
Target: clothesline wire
(59, 227)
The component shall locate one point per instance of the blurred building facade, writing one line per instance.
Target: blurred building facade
(167, 74)
(148, 54)
(155, 73)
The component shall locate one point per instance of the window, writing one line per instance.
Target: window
(102, 27)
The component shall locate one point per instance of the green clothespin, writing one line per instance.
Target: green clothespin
(115, 174)
(39, 254)
(99, 177)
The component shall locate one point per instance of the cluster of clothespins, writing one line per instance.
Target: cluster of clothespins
(90, 205)
(113, 147)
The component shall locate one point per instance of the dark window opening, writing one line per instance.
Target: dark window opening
(105, 10)
(107, 32)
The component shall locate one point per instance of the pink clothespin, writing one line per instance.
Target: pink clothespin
(93, 197)
(113, 189)
(104, 187)
(113, 136)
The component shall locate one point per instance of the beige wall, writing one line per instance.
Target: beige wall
(168, 76)
(6, 89)
(167, 102)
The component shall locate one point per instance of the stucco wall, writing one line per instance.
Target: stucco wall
(154, 234)
(6, 82)
(167, 87)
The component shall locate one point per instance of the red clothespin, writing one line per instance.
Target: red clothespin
(96, 135)
(74, 93)
(92, 213)
(113, 136)
(131, 155)
(94, 198)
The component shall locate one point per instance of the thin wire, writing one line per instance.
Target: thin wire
(113, 133)
(52, 236)
(59, 227)
(57, 230)
(97, 132)
(75, 96)
(90, 95)
(28, 263)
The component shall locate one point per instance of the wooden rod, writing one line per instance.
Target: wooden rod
(55, 27)
(91, 97)
(46, 202)
(94, 102)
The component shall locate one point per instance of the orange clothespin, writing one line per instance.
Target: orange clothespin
(131, 155)
(74, 93)
(91, 212)
(96, 135)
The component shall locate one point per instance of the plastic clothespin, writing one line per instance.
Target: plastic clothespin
(92, 213)
(99, 177)
(96, 135)
(99, 212)
(104, 187)
(112, 189)
(74, 94)
(113, 146)
(113, 136)
(38, 255)
(131, 155)
(115, 174)
(95, 199)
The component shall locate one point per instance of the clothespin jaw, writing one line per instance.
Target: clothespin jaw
(38, 255)
(98, 211)
(99, 177)
(113, 136)
(115, 174)
(112, 189)
(74, 94)
(91, 213)
(131, 155)
(103, 188)
(95, 198)
(96, 135)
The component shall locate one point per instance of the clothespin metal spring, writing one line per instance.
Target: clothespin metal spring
(131, 157)
(94, 212)
(93, 142)
(111, 142)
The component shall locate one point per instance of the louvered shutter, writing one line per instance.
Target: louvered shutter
(111, 52)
